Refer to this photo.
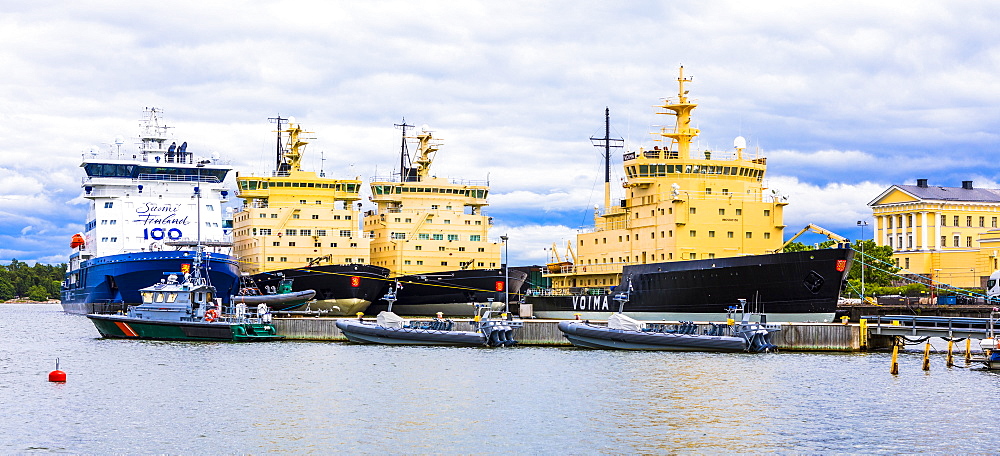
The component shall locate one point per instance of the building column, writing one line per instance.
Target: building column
(923, 230)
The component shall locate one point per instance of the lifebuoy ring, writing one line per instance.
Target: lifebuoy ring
(211, 315)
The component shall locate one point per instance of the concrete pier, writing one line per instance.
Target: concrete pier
(792, 337)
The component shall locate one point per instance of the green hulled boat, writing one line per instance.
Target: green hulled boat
(186, 310)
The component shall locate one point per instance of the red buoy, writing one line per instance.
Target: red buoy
(57, 375)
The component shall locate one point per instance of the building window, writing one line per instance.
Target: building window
(418, 247)
(276, 244)
(708, 191)
(317, 244)
(275, 215)
(739, 212)
(321, 232)
(302, 201)
(729, 234)
(944, 221)
(270, 258)
(291, 232)
(315, 216)
(767, 235)
(993, 222)
(444, 263)
(305, 232)
(423, 236)
(749, 235)
(284, 259)
(711, 256)
(693, 210)
(982, 222)
(955, 241)
(454, 237)
(944, 241)
(478, 237)
(888, 241)
(722, 212)
(291, 244)
(345, 233)
(420, 262)
(265, 231)
(955, 219)
(109, 205)
(909, 242)
(968, 220)
(295, 216)
(333, 244)
(767, 212)
(693, 256)
(907, 262)
(711, 234)
(395, 235)
(440, 237)
(262, 215)
(692, 233)
(968, 241)
(406, 261)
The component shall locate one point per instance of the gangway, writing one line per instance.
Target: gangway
(926, 326)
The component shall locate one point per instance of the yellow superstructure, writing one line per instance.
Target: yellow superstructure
(680, 204)
(426, 224)
(294, 218)
(945, 234)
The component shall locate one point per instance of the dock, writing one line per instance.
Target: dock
(823, 337)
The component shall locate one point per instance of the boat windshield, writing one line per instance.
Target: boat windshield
(171, 297)
(158, 297)
(147, 297)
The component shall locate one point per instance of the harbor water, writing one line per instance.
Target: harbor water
(125, 396)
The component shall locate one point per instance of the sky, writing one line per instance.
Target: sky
(845, 98)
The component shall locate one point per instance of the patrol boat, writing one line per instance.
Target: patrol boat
(144, 219)
(695, 232)
(391, 329)
(432, 233)
(187, 309)
(302, 226)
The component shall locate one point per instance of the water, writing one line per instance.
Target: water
(324, 397)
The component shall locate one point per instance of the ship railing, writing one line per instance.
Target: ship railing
(756, 155)
(470, 182)
(179, 178)
(596, 268)
(148, 155)
(396, 210)
(573, 291)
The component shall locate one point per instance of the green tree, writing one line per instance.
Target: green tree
(38, 293)
(6, 289)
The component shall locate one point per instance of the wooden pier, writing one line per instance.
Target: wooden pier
(792, 337)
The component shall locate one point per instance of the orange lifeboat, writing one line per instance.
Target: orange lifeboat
(77, 241)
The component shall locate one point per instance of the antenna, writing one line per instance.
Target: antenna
(322, 161)
(404, 154)
(278, 120)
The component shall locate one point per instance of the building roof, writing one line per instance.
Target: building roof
(939, 193)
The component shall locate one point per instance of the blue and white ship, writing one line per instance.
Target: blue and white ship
(145, 219)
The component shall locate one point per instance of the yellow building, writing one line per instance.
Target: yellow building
(680, 204)
(946, 234)
(294, 218)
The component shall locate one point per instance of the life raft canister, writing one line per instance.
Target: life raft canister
(77, 241)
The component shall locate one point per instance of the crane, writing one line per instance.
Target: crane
(819, 230)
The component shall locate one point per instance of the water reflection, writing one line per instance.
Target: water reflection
(315, 397)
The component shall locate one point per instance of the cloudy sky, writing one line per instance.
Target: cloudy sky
(845, 98)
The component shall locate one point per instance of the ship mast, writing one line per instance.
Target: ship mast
(404, 155)
(683, 133)
(606, 142)
(280, 153)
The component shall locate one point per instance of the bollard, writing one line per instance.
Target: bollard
(968, 351)
(863, 334)
(951, 360)
(927, 356)
(894, 367)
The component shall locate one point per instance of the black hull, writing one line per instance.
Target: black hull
(453, 292)
(341, 289)
(796, 286)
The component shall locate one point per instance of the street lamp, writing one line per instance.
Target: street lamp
(506, 268)
(861, 242)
